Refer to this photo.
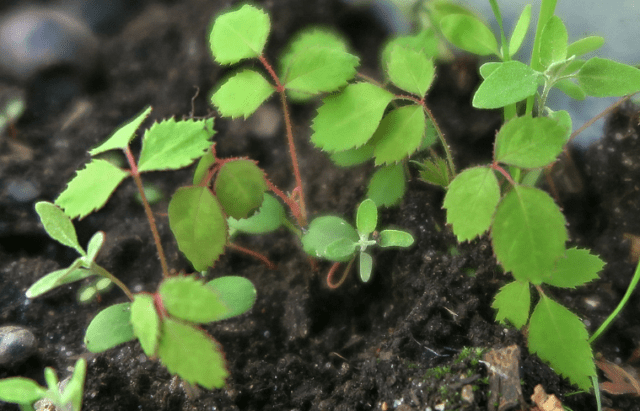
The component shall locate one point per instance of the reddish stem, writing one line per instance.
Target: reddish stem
(147, 209)
(332, 272)
(502, 171)
(254, 254)
(293, 206)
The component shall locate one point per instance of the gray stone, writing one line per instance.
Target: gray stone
(16, 345)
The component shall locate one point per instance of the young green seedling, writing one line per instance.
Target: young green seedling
(334, 239)
(26, 392)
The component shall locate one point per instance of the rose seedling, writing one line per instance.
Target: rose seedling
(25, 392)
(334, 239)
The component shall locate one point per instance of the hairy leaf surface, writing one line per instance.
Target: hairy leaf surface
(100, 178)
(237, 293)
(469, 33)
(584, 46)
(558, 337)
(509, 83)
(399, 134)
(367, 217)
(349, 119)
(319, 69)
(520, 30)
(528, 234)
(171, 144)
(553, 42)
(325, 230)
(471, 201)
(240, 188)
(188, 298)
(198, 223)
(607, 78)
(269, 217)
(410, 70)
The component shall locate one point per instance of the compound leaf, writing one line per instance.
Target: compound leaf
(121, 138)
(528, 234)
(198, 223)
(240, 188)
(513, 303)
(99, 178)
(529, 142)
(576, 268)
(242, 94)
(558, 337)
(395, 238)
(269, 217)
(188, 298)
(237, 293)
(387, 185)
(319, 69)
(239, 34)
(399, 134)
(109, 328)
(509, 83)
(146, 323)
(192, 354)
(410, 70)
(469, 33)
(58, 225)
(349, 119)
(607, 78)
(171, 144)
(366, 266)
(20, 390)
(584, 46)
(520, 30)
(325, 230)
(471, 201)
(553, 42)
(367, 217)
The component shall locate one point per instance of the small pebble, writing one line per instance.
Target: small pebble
(16, 345)
(22, 191)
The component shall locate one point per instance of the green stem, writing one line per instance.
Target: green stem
(104, 273)
(614, 314)
(445, 146)
(504, 48)
(547, 8)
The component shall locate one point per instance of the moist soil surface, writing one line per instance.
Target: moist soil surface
(303, 346)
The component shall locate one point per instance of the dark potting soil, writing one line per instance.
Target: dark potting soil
(303, 346)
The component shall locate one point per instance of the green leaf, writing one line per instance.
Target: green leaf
(513, 303)
(425, 42)
(553, 42)
(387, 185)
(341, 249)
(528, 234)
(239, 34)
(19, 390)
(74, 389)
(349, 119)
(319, 69)
(188, 298)
(58, 225)
(395, 238)
(366, 267)
(367, 217)
(325, 230)
(202, 169)
(410, 70)
(109, 328)
(240, 188)
(269, 217)
(607, 78)
(487, 68)
(510, 83)
(192, 354)
(242, 94)
(311, 37)
(237, 293)
(90, 189)
(469, 33)
(353, 156)
(584, 46)
(93, 248)
(57, 278)
(171, 144)
(146, 323)
(558, 337)
(399, 134)
(528, 142)
(435, 171)
(471, 201)
(198, 223)
(563, 119)
(520, 30)
(571, 89)
(121, 138)
(576, 268)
